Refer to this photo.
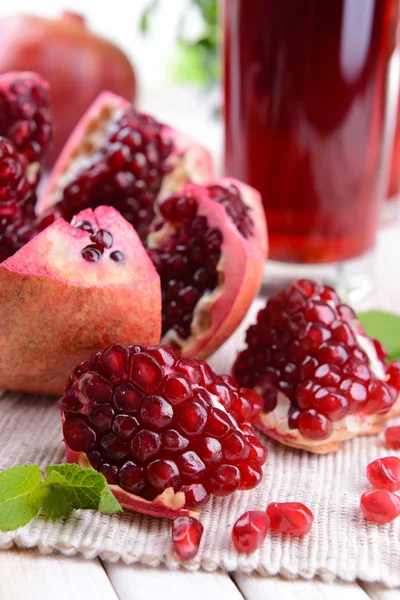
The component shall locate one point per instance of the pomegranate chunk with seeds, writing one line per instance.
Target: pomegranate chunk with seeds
(380, 506)
(322, 378)
(186, 536)
(392, 437)
(167, 440)
(118, 156)
(290, 517)
(250, 530)
(384, 473)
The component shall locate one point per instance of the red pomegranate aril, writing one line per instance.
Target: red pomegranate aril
(95, 459)
(331, 405)
(145, 373)
(380, 506)
(93, 386)
(313, 336)
(393, 372)
(78, 435)
(186, 536)
(196, 495)
(124, 426)
(177, 389)
(162, 474)
(191, 467)
(392, 437)
(306, 392)
(379, 398)
(242, 409)
(258, 451)
(224, 480)
(250, 475)
(210, 451)
(235, 447)
(332, 353)
(356, 394)
(319, 312)
(225, 394)
(191, 418)
(357, 369)
(293, 417)
(156, 412)
(218, 423)
(384, 473)
(127, 398)
(327, 375)
(342, 333)
(101, 416)
(113, 448)
(314, 425)
(250, 530)
(114, 363)
(172, 441)
(290, 517)
(131, 478)
(110, 472)
(145, 445)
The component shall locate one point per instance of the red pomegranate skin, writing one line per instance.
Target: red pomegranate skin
(77, 63)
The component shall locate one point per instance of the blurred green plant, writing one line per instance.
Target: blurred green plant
(197, 59)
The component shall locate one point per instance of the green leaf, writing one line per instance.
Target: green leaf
(20, 496)
(108, 502)
(384, 327)
(70, 487)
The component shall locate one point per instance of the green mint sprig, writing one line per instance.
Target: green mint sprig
(65, 488)
(384, 327)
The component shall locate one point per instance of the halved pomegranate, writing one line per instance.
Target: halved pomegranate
(209, 247)
(120, 157)
(322, 378)
(166, 432)
(70, 291)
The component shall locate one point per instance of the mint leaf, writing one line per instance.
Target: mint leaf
(70, 487)
(384, 327)
(20, 496)
(108, 502)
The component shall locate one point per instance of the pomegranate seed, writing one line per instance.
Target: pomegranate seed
(156, 412)
(250, 530)
(384, 473)
(78, 435)
(124, 426)
(92, 385)
(392, 437)
(127, 399)
(258, 451)
(162, 474)
(196, 496)
(379, 399)
(191, 467)
(290, 517)
(131, 478)
(319, 312)
(313, 336)
(314, 425)
(113, 448)
(236, 447)
(110, 472)
(380, 506)
(145, 445)
(250, 475)
(191, 418)
(101, 416)
(177, 389)
(218, 423)
(224, 480)
(210, 450)
(173, 442)
(331, 405)
(145, 373)
(186, 536)
(393, 372)
(114, 363)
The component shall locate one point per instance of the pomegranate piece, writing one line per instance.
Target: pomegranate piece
(380, 506)
(64, 293)
(322, 378)
(186, 536)
(384, 473)
(209, 247)
(34, 43)
(290, 517)
(120, 157)
(250, 530)
(25, 113)
(392, 437)
(161, 444)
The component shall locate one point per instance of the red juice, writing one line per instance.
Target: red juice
(305, 93)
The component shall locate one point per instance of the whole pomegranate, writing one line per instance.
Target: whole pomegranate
(166, 432)
(77, 63)
(322, 378)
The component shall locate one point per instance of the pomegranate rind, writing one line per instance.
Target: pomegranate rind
(190, 161)
(240, 271)
(167, 505)
(58, 309)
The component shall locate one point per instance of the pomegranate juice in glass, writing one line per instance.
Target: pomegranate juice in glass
(305, 116)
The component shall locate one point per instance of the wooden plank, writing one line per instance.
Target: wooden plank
(26, 574)
(376, 591)
(135, 582)
(275, 588)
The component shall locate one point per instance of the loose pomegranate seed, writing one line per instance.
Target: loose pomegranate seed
(250, 530)
(186, 536)
(305, 344)
(150, 421)
(380, 506)
(290, 517)
(392, 437)
(384, 473)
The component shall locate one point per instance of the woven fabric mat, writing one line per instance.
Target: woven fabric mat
(341, 543)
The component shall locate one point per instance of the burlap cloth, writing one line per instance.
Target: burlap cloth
(341, 543)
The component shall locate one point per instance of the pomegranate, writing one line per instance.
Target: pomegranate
(322, 378)
(290, 517)
(77, 63)
(384, 473)
(70, 291)
(121, 157)
(380, 506)
(186, 536)
(209, 248)
(250, 530)
(392, 437)
(166, 432)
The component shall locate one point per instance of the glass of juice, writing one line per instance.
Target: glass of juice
(307, 124)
